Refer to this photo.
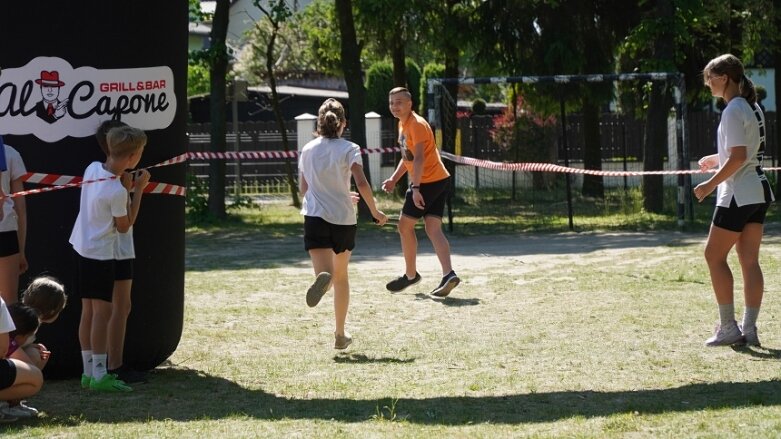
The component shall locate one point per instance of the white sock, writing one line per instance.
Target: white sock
(99, 365)
(86, 362)
(750, 318)
(727, 314)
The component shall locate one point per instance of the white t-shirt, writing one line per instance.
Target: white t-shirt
(94, 234)
(6, 322)
(739, 126)
(15, 170)
(325, 164)
(125, 247)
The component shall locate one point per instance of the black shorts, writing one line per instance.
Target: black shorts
(7, 373)
(734, 218)
(96, 278)
(9, 243)
(434, 197)
(319, 233)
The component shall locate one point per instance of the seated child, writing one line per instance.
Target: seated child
(18, 379)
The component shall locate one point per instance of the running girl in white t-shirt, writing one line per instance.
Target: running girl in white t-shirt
(742, 200)
(325, 166)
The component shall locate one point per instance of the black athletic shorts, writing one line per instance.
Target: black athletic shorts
(96, 278)
(434, 197)
(734, 218)
(319, 233)
(9, 243)
(7, 373)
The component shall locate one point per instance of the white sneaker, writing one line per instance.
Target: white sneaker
(6, 418)
(725, 336)
(750, 336)
(19, 411)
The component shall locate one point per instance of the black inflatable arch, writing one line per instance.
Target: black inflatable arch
(130, 44)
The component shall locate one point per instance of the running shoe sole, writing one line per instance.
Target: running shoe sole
(318, 289)
(445, 289)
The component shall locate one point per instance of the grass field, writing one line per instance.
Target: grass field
(593, 334)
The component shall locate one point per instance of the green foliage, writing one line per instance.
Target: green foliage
(197, 79)
(197, 199)
(379, 80)
(430, 70)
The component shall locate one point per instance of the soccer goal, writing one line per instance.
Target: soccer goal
(487, 153)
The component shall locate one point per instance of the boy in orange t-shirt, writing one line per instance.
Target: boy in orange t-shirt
(425, 197)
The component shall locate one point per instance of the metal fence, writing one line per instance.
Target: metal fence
(621, 140)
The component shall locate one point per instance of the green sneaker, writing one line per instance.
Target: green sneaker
(85, 380)
(109, 383)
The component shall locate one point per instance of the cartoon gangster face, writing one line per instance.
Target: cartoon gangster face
(50, 109)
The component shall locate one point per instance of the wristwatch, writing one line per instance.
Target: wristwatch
(412, 186)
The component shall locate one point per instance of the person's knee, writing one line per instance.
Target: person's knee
(121, 306)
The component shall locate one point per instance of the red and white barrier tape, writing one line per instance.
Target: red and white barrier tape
(58, 182)
(549, 167)
(263, 155)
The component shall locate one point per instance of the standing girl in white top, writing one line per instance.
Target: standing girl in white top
(13, 227)
(325, 166)
(742, 200)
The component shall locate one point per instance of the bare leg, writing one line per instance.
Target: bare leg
(117, 324)
(748, 254)
(9, 278)
(101, 313)
(409, 244)
(322, 260)
(85, 325)
(720, 242)
(341, 289)
(27, 383)
(440, 242)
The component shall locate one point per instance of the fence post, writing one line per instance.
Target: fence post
(373, 136)
(305, 128)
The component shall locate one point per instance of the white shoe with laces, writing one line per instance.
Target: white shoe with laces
(725, 335)
(19, 411)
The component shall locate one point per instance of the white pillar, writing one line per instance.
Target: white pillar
(305, 128)
(373, 136)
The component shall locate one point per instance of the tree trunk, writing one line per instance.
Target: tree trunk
(217, 70)
(353, 76)
(449, 130)
(398, 56)
(777, 89)
(655, 147)
(655, 144)
(592, 151)
(291, 181)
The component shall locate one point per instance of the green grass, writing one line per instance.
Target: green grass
(550, 335)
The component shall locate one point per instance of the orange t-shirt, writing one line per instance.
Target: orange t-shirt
(416, 130)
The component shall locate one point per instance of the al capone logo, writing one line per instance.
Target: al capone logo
(51, 100)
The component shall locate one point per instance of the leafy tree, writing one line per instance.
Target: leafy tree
(350, 50)
(276, 12)
(197, 79)
(216, 57)
(379, 79)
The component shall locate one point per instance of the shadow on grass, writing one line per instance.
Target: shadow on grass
(184, 394)
(362, 359)
(759, 352)
(448, 301)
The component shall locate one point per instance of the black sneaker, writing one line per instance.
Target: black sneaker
(129, 375)
(402, 282)
(450, 281)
